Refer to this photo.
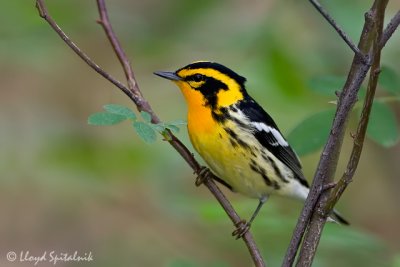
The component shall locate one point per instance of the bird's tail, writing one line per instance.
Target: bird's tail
(336, 217)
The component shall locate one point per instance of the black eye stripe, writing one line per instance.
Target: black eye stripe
(196, 78)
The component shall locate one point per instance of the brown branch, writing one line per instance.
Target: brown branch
(44, 14)
(390, 29)
(364, 118)
(368, 45)
(338, 29)
(330, 154)
(104, 21)
(300, 228)
(134, 93)
(328, 162)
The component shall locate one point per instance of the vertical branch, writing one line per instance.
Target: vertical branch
(330, 155)
(370, 38)
(364, 118)
(327, 165)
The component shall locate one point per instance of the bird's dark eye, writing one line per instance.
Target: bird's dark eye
(197, 78)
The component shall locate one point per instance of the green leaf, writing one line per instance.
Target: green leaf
(105, 118)
(120, 110)
(178, 122)
(382, 126)
(389, 80)
(145, 131)
(311, 133)
(159, 127)
(146, 116)
(327, 85)
(172, 127)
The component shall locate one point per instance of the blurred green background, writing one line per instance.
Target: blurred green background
(68, 186)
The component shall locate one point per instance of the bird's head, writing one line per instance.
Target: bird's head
(207, 84)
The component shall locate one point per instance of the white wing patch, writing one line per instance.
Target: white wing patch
(268, 129)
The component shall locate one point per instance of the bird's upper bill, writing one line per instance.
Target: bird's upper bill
(168, 75)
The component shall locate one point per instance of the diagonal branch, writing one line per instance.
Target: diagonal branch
(339, 30)
(44, 14)
(390, 29)
(134, 93)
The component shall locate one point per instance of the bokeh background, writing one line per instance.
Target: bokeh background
(68, 186)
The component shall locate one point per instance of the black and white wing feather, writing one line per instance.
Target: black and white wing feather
(267, 133)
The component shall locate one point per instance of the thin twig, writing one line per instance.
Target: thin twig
(135, 95)
(104, 21)
(390, 29)
(44, 14)
(338, 29)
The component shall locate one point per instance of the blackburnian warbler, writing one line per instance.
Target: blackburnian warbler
(238, 140)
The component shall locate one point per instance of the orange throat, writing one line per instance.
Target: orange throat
(200, 120)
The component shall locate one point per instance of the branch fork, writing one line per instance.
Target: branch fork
(324, 192)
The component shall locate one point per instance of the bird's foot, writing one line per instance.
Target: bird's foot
(241, 229)
(202, 176)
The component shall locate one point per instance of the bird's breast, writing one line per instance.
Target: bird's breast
(226, 157)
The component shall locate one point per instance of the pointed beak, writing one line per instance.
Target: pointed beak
(168, 75)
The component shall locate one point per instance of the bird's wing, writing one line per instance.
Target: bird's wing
(267, 133)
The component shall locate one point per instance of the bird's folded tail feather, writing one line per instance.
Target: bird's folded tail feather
(336, 217)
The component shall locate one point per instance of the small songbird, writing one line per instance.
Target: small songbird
(238, 140)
